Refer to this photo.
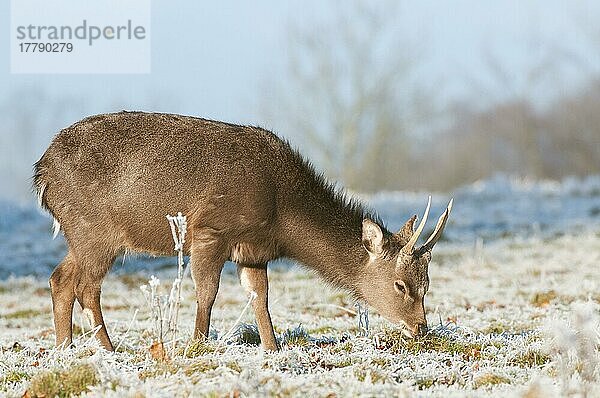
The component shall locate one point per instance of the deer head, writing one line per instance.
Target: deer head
(396, 278)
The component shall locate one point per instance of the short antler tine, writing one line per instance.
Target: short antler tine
(410, 246)
(439, 228)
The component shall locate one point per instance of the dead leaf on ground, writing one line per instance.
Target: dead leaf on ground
(158, 352)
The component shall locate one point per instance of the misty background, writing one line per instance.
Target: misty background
(427, 95)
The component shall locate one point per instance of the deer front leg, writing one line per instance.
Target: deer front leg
(254, 279)
(206, 266)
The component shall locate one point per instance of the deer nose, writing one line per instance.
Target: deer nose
(422, 329)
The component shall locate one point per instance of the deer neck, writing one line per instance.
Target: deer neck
(329, 241)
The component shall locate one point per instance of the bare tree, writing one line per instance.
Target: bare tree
(352, 97)
(573, 129)
(514, 137)
(513, 132)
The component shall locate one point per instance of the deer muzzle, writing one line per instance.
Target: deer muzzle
(419, 330)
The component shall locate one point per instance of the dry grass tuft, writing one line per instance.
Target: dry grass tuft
(201, 366)
(395, 342)
(247, 334)
(543, 299)
(530, 359)
(63, 383)
(489, 379)
(23, 314)
(364, 373)
(200, 347)
(298, 337)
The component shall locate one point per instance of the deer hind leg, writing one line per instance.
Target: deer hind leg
(88, 291)
(254, 279)
(62, 287)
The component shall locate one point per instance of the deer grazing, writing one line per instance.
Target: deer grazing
(109, 180)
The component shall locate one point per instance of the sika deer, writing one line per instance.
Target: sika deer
(109, 180)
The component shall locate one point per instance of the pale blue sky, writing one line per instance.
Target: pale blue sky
(213, 58)
(217, 59)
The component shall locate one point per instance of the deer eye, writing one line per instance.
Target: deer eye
(400, 287)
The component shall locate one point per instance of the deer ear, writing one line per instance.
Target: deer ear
(407, 230)
(372, 237)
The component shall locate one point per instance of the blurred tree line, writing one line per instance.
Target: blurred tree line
(354, 102)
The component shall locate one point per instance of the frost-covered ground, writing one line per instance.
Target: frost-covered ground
(514, 306)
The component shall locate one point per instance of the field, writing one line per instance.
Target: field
(513, 306)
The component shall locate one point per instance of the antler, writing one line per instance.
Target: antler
(439, 228)
(410, 246)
